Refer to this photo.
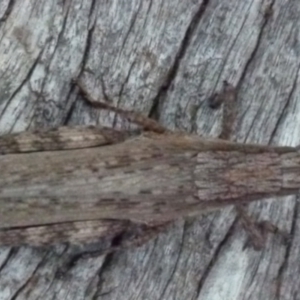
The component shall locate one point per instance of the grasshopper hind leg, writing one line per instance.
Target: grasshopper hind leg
(145, 122)
(133, 236)
(257, 231)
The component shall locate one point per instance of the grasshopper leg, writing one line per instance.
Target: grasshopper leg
(134, 117)
(135, 235)
(255, 230)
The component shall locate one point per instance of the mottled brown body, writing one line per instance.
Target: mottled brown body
(79, 195)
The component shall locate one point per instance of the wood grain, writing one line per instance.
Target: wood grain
(163, 58)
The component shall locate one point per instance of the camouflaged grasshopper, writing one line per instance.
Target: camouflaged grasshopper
(103, 180)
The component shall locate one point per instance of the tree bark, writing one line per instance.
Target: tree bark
(164, 59)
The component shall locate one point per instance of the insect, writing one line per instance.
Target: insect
(82, 183)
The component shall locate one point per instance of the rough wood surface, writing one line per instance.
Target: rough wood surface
(163, 58)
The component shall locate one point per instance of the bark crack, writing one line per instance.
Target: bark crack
(176, 263)
(228, 53)
(252, 58)
(284, 265)
(131, 25)
(7, 11)
(215, 256)
(10, 254)
(155, 109)
(85, 56)
(88, 42)
(56, 275)
(22, 84)
(255, 49)
(30, 278)
(286, 106)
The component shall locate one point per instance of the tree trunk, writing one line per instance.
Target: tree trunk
(162, 58)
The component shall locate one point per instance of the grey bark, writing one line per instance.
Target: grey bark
(162, 58)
